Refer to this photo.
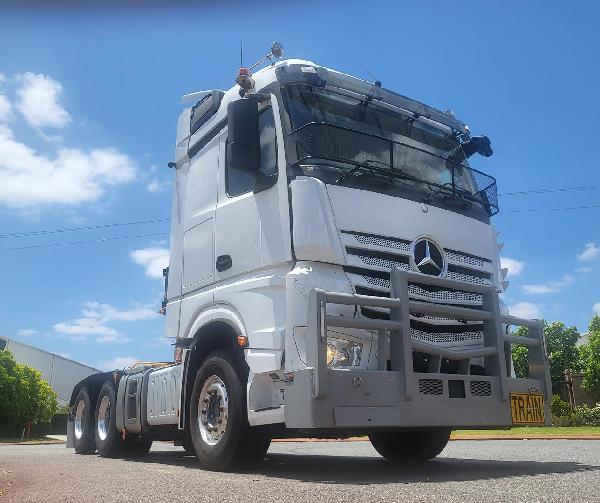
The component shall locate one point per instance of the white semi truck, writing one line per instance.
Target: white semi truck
(333, 272)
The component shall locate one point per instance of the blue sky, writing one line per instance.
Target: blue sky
(89, 99)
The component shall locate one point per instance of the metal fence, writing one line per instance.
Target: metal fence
(451, 176)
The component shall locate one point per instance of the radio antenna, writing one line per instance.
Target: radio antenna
(241, 53)
(375, 81)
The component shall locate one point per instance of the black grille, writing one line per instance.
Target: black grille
(431, 387)
(481, 388)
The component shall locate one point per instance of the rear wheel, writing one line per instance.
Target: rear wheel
(108, 438)
(410, 446)
(219, 429)
(134, 447)
(83, 424)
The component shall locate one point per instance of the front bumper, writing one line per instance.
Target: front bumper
(321, 397)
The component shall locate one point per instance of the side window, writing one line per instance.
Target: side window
(240, 182)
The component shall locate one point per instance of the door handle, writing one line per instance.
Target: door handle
(224, 262)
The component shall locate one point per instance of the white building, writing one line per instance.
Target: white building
(62, 374)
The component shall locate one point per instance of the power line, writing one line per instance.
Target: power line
(566, 208)
(91, 241)
(550, 191)
(44, 232)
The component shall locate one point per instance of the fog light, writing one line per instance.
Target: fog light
(342, 353)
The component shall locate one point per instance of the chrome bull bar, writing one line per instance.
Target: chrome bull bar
(496, 349)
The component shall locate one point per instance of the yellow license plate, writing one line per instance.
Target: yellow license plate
(527, 408)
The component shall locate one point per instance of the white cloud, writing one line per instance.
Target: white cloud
(153, 259)
(5, 109)
(596, 308)
(514, 266)
(583, 270)
(72, 176)
(590, 252)
(40, 99)
(85, 326)
(550, 286)
(526, 310)
(27, 332)
(106, 312)
(118, 363)
(155, 186)
(95, 319)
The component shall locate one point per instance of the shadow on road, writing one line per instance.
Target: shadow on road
(365, 470)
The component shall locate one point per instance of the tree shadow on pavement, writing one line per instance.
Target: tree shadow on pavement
(356, 470)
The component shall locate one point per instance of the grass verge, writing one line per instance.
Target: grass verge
(531, 432)
(37, 440)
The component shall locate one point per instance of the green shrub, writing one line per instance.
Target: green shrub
(584, 415)
(559, 407)
(581, 415)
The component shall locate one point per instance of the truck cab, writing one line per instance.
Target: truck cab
(333, 271)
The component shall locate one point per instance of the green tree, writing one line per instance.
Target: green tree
(8, 386)
(594, 324)
(24, 395)
(590, 360)
(561, 344)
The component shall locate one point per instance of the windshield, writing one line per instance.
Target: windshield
(341, 130)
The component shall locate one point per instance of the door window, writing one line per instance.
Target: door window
(239, 182)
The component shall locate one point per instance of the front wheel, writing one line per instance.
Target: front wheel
(219, 429)
(410, 446)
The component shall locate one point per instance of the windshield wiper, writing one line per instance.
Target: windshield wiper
(364, 167)
(455, 194)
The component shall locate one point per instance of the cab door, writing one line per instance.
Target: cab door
(251, 233)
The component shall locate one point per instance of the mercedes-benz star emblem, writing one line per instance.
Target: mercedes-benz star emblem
(428, 258)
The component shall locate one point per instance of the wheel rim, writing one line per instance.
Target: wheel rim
(104, 417)
(79, 419)
(213, 410)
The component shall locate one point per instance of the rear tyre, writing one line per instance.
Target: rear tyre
(410, 446)
(83, 424)
(135, 447)
(108, 438)
(188, 446)
(219, 429)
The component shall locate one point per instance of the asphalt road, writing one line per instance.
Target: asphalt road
(511, 470)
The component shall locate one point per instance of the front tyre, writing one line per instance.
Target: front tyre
(219, 429)
(108, 438)
(83, 424)
(410, 446)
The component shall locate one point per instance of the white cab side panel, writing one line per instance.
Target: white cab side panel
(315, 234)
(201, 200)
(198, 252)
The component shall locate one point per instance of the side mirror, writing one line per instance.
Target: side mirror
(243, 142)
(478, 144)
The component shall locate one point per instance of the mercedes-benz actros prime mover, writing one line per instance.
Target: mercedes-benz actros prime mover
(333, 272)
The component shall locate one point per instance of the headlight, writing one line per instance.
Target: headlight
(341, 353)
